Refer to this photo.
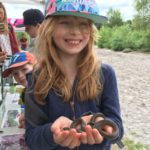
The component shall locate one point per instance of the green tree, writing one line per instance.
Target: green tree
(141, 20)
(114, 18)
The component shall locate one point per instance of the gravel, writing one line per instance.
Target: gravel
(133, 75)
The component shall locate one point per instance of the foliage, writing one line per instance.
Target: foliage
(141, 20)
(114, 18)
(105, 34)
(130, 35)
(131, 145)
(123, 37)
(118, 41)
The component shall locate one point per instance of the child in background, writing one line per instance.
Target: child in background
(20, 65)
(66, 82)
(23, 41)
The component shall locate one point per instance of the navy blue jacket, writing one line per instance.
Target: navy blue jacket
(39, 137)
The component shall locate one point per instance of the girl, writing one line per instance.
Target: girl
(66, 82)
(8, 41)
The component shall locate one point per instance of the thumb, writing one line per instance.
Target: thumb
(108, 129)
(55, 128)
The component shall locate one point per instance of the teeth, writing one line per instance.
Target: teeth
(73, 42)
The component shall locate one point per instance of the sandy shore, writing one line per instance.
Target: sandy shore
(133, 74)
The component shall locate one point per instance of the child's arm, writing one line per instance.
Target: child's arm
(41, 135)
(110, 105)
(38, 135)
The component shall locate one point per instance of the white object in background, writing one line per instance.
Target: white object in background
(5, 43)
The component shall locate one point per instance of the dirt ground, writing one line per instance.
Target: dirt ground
(133, 75)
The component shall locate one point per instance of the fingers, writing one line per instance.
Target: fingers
(108, 129)
(60, 123)
(68, 139)
(98, 138)
(2, 58)
(22, 124)
(21, 121)
(73, 139)
(83, 138)
(2, 53)
(87, 118)
(60, 136)
(91, 136)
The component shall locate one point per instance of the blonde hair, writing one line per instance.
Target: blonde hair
(6, 30)
(50, 74)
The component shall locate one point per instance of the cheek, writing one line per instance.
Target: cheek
(27, 71)
(86, 39)
(56, 38)
(30, 68)
(16, 78)
(29, 31)
(58, 34)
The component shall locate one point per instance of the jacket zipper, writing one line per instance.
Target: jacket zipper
(72, 101)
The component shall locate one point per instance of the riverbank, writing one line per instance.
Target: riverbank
(133, 75)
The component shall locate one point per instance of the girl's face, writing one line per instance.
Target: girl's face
(71, 35)
(19, 74)
(2, 15)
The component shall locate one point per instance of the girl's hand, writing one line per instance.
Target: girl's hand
(3, 56)
(65, 138)
(92, 135)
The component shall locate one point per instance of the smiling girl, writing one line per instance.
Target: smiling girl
(66, 83)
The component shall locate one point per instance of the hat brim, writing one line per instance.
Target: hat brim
(7, 72)
(95, 18)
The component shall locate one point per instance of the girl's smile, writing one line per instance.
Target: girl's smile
(71, 34)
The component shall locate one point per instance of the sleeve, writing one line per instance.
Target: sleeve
(13, 40)
(110, 105)
(38, 135)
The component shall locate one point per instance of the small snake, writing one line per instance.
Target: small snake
(79, 124)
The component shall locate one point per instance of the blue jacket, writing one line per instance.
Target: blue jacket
(38, 135)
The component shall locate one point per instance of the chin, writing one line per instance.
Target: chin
(24, 84)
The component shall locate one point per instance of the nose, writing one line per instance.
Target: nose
(75, 29)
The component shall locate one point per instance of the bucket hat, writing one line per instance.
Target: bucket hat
(17, 60)
(81, 8)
